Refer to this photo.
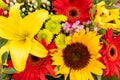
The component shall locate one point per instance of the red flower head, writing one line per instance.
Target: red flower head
(74, 9)
(118, 1)
(111, 54)
(36, 68)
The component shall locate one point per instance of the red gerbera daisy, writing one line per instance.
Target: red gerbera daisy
(111, 54)
(74, 9)
(36, 68)
(118, 1)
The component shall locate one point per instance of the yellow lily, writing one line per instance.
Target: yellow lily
(20, 34)
(107, 18)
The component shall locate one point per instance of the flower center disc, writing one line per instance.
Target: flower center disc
(112, 53)
(73, 13)
(76, 56)
(34, 61)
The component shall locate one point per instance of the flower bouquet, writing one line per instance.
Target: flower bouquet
(59, 39)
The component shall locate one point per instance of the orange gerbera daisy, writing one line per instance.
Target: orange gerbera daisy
(73, 9)
(111, 54)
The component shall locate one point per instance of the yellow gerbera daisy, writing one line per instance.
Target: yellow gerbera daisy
(79, 58)
(20, 34)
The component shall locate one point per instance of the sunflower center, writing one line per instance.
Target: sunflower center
(73, 13)
(34, 61)
(76, 54)
(113, 52)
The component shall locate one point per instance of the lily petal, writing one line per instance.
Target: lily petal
(32, 23)
(9, 26)
(14, 13)
(8, 32)
(19, 51)
(37, 49)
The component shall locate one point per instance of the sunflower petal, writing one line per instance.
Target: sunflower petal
(19, 51)
(37, 49)
(32, 23)
(72, 75)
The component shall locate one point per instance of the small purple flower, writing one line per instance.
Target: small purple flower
(66, 27)
(118, 5)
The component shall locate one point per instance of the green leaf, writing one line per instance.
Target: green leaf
(111, 78)
(102, 31)
(92, 11)
(9, 70)
(95, 77)
(3, 42)
(114, 1)
(107, 2)
(1, 76)
(111, 7)
(4, 57)
(96, 1)
(39, 2)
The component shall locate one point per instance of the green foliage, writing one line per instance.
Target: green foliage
(3, 42)
(92, 11)
(108, 2)
(39, 2)
(111, 78)
(102, 31)
(9, 70)
(51, 78)
(4, 57)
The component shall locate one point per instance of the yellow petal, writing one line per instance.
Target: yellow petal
(32, 23)
(58, 60)
(8, 29)
(75, 38)
(37, 49)
(14, 13)
(78, 75)
(19, 51)
(81, 34)
(68, 40)
(65, 76)
(72, 75)
(97, 64)
(90, 77)
(64, 69)
(94, 69)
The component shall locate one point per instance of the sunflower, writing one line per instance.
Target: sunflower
(80, 57)
(73, 9)
(36, 68)
(111, 54)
